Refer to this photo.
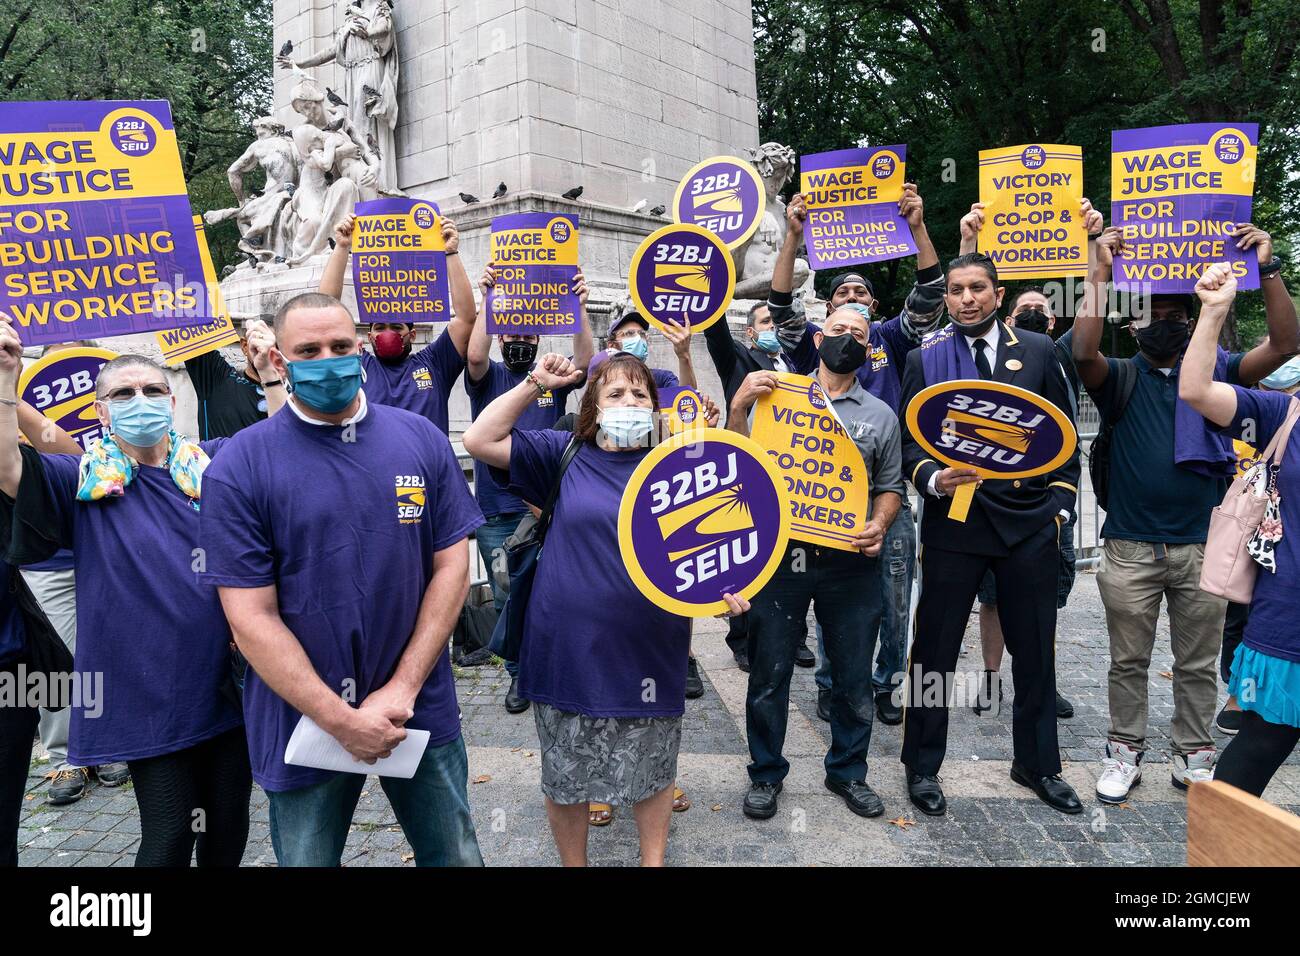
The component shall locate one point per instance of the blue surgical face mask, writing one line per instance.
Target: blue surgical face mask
(637, 346)
(628, 426)
(142, 422)
(327, 385)
(767, 341)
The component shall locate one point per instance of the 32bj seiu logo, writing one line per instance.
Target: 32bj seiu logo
(410, 498)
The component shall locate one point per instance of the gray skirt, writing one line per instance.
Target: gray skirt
(614, 760)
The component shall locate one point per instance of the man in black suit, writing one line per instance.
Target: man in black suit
(1012, 529)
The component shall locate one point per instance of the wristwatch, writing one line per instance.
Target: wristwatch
(273, 383)
(1271, 268)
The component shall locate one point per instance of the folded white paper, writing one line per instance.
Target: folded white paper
(309, 746)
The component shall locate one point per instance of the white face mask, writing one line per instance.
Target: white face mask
(627, 426)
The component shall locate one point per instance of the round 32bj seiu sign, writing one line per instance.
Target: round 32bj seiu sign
(1000, 430)
(705, 514)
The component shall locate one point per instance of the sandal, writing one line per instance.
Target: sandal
(600, 814)
(680, 803)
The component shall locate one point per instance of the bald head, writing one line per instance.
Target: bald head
(314, 325)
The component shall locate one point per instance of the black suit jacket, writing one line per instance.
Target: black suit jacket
(1004, 513)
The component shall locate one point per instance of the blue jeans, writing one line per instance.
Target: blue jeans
(309, 826)
(844, 590)
(491, 537)
(897, 569)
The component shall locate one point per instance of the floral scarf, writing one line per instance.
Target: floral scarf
(106, 470)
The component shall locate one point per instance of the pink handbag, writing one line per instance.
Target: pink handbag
(1228, 570)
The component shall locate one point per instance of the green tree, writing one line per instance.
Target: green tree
(950, 77)
(211, 59)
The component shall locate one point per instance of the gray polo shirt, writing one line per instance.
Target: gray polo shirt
(873, 426)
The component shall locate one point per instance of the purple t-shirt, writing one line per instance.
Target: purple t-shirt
(145, 620)
(421, 384)
(593, 643)
(346, 531)
(544, 412)
(1271, 628)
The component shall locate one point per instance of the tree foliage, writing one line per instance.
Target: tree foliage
(210, 58)
(949, 77)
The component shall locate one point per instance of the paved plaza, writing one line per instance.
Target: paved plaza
(990, 820)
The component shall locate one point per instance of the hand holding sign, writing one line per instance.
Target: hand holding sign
(736, 606)
(450, 236)
(343, 231)
(1109, 245)
(949, 480)
(911, 207)
(1248, 234)
(796, 214)
(1092, 219)
(679, 336)
(871, 539)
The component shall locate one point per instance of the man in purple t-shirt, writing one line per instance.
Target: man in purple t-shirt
(419, 382)
(486, 380)
(342, 572)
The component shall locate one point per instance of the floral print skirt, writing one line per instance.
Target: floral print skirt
(614, 760)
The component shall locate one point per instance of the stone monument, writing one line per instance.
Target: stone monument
(491, 107)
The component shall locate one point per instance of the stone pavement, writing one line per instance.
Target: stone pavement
(990, 821)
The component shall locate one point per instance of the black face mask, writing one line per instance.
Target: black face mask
(842, 354)
(519, 356)
(977, 329)
(1163, 340)
(1035, 320)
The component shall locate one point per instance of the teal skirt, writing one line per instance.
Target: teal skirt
(1267, 685)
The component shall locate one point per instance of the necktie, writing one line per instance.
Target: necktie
(982, 359)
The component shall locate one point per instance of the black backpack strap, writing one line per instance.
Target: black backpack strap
(1124, 385)
(544, 521)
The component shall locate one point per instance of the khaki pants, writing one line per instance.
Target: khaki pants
(1132, 580)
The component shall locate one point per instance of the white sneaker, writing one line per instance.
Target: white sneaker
(1120, 772)
(1195, 767)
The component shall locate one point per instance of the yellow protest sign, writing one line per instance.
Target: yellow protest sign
(536, 260)
(1032, 227)
(178, 345)
(824, 473)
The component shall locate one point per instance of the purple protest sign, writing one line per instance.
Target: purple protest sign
(704, 514)
(1177, 193)
(1000, 430)
(96, 233)
(682, 273)
(61, 386)
(536, 260)
(724, 195)
(399, 262)
(852, 199)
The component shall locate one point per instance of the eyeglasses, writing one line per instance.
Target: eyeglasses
(125, 393)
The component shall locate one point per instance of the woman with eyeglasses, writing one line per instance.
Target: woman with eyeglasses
(153, 677)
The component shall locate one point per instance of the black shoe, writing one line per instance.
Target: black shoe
(859, 798)
(1064, 709)
(984, 700)
(1229, 721)
(514, 703)
(804, 656)
(694, 686)
(742, 661)
(113, 774)
(926, 794)
(824, 704)
(1053, 791)
(888, 712)
(68, 786)
(760, 802)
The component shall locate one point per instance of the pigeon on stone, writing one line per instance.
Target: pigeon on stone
(371, 94)
(573, 193)
(279, 259)
(468, 199)
(334, 97)
(290, 188)
(337, 125)
(287, 48)
(374, 145)
(501, 191)
(331, 243)
(658, 210)
(252, 260)
(641, 204)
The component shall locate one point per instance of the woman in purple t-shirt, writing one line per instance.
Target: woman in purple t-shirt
(604, 667)
(1266, 667)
